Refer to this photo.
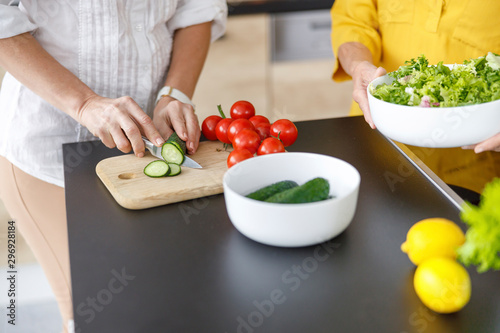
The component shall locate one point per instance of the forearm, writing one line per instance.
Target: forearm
(24, 58)
(351, 54)
(190, 48)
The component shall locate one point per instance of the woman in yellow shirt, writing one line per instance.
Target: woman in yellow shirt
(372, 37)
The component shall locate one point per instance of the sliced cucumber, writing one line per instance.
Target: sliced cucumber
(272, 189)
(157, 169)
(316, 189)
(171, 153)
(175, 169)
(173, 150)
(178, 146)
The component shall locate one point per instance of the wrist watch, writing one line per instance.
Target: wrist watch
(174, 93)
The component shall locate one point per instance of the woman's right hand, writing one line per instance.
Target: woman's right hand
(119, 123)
(363, 73)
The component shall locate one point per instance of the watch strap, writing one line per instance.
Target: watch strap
(174, 93)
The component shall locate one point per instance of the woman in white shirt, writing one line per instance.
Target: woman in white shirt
(87, 70)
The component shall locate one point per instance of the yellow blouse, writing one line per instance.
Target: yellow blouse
(398, 30)
(443, 30)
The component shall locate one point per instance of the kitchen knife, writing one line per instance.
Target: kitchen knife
(156, 151)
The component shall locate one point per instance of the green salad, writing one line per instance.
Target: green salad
(418, 84)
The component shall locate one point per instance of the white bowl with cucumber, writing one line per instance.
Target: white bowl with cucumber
(291, 199)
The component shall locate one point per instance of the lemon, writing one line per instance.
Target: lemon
(442, 284)
(433, 237)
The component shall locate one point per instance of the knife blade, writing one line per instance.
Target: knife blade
(156, 151)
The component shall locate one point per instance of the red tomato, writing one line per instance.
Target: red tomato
(247, 139)
(286, 130)
(221, 129)
(270, 146)
(237, 156)
(259, 119)
(208, 127)
(263, 130)
(236, 126)
(242, 109)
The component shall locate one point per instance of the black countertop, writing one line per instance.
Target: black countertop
(185, 268)
(237, 7)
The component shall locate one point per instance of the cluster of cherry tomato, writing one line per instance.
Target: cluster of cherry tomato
(249, 134)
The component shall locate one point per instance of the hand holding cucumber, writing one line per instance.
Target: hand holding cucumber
(171, 116)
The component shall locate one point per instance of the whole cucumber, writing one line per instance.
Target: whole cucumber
(317, 189)
(181, 145)
(272, 189)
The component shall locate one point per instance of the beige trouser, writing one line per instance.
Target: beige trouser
(39, 210)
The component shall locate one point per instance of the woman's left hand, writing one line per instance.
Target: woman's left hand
(492, 144)
(171, 115)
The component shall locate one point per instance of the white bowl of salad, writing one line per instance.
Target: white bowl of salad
(438, 106)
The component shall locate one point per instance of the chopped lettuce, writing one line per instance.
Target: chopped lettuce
(482, 244)
(418, 84)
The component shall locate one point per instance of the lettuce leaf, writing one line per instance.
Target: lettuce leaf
(482, 244)
(416, 83)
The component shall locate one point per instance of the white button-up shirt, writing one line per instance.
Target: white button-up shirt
(116, 47)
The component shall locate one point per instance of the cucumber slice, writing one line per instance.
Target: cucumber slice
(175, 169)
(157, 169)
(172, 154)
(178, 146)
(174, 149)
(272, 189)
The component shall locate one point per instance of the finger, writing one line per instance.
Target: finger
(146, 125)
(193, 130)
(178, 120)
(380, 71)
(469, 147)
(368, 116)
(125, 130)
(164, 128)
(115, 119)
(368, 119)
(492, 143)
(364, 105)
(106, 139)
(121, 141)
(133, 133)
(179, 127)
(361, 98)
(170, 118)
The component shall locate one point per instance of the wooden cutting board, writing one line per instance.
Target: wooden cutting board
(123, 176)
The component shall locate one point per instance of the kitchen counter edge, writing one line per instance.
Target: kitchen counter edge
(276, 6)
